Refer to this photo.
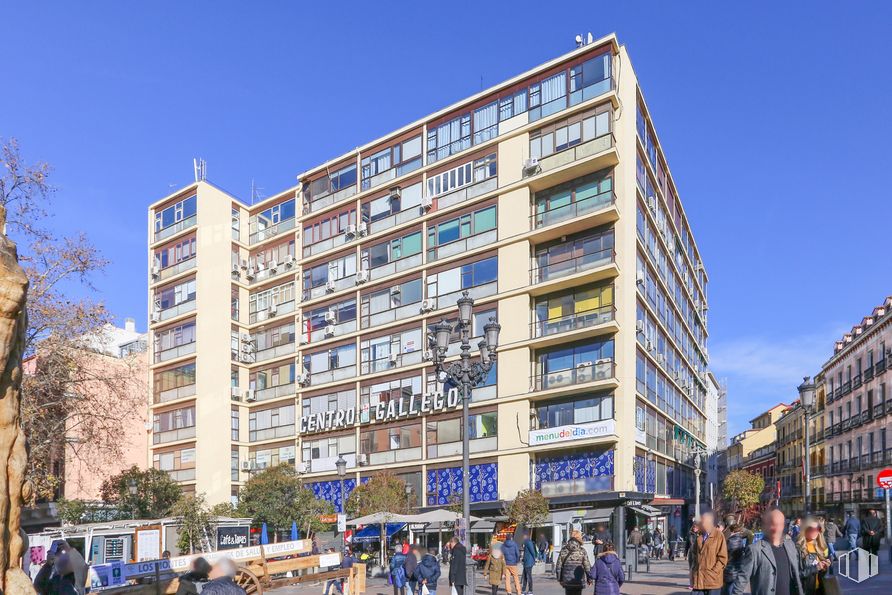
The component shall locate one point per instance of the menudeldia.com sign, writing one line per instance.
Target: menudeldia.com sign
(381, 412)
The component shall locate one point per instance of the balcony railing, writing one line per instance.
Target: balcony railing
(325, 245)
(270, 433)
(390, 315)
(567, 156)
(868, 373)
(272, 312)
(463, 245)
(584, 372)
(856, 381)
(175, 228)
(272, 231)
(333, 375)
(449, 449)
(315, 203)
(476, 292)
(394, 456)
(572, 322)
(174, 311)
(846, 387)
(328, 331)
(397, 360)
(173, 435)
(176, 269)
(466, 193)
(269, 271)
(395, 266)
(541, 273)
(172, 394)
(331, 286)
(880, 366)
(274, 392)
(580, 208)
(878, 411)
(181, 474)
(174, 352)
(274, 352)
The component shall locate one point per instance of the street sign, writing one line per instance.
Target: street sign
(328, 518)
(884, 479)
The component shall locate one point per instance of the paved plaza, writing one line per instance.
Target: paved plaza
(664, 578)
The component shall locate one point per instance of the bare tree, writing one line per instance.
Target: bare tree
(74, 398)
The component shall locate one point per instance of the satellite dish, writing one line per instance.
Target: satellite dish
(579, 41)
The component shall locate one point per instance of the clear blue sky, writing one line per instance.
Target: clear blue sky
(774, 116)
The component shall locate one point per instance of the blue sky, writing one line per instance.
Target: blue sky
(774, 117)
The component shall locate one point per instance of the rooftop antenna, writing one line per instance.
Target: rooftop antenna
(582, 40)
(589, 38)
(256, 193)
(579, 41)
(200, 169)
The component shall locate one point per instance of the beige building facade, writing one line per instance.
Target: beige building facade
(295, 330)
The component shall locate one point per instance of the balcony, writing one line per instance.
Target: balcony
(572, 322)
(272, 311)
(583, 373)
(320, 201)
(332, 375)
(602, 144)
(173, 435)
(477, 292)
(328, 463)
(325, 245)
(328, 331)
(541, 273)
(271, 231)
(275, 392)
(868, 373)
(267, 271)
(856, 381)
(451, 449)
(391, 362)
(396, 266)
(174, 352)
(878, 411)
(880, 366)
(466, 193)
(394, 456)
(331, 286)
(463, 245)
(274, 352)
(181, 474)
(374, 319)
(574, 210)
(271, 433)
(172, 394)
(159, 315)
(176, 269)
(176, 228)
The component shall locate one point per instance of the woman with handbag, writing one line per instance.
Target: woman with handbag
(814, 560)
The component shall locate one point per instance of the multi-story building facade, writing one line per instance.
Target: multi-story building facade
(762, 433)
(789, 467)
(716, 436)
(857, 413)
(547, 199)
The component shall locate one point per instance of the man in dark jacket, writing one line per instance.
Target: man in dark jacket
(771, 565)
(398, 574)
(602, 536)
(193, 581)
(871, 532)
(511, 553)
(529, 560)
(852, 529)
(56, 577)
(458, 566)
(411, 563)
(573, 566)
(428, 571)
(223, 579)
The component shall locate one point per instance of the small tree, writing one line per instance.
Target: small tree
(742, 489)
(385, 493)
(277, 497)
(156, 492)
(196, 522)
(528, 508)
(225, 509)
(71, 512)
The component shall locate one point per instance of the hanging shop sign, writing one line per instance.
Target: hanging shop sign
(381, 412)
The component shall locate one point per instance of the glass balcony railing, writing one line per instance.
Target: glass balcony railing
(328, 331)
(274, 392)
(603, 369)
(450, 449)
(394, 456)
(269, 270)
(466, 193)
(396, 266)
(271, 231)
(572, 322)
(476, 292)
(271, 312)
(393, 361)
(274, 352)
(180, 474)
(579, 208)
(174, 352)
(553, 270)
(176, 228)
(174, 311)
(271, 433)
(334, 241)
(576, 153)
(333, 375)
(391, 315)
(173, 435)
(173, 394)
(463, 245)
(313, 203)
(331, 286)
(180, 267)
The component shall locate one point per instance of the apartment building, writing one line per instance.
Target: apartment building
(762, 433)
(295, 330)
(789, 465)
(857, 414)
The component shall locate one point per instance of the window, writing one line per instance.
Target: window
(463, 277)
(327, 448)
(408, 292)
(273, 457)
(173, 337)
(174, 378)
(315, 319)
(172, 296)
(483, 425)
(333, 270)
(574, 198)
(342, 356)
(576, 411)
(573, 304)
(179, 464)
(404, 157)
(176, 253)
(177, 424)
(273, 216)
(335, 181)
(384, 392)
(271, 423)
(275, 296)
(271, 255)
(234, 423)
(590, 79)
(575, 253)
(466, 174)
(176, 213)
(345, 399)
(449, 138)
(392, 203)
(569, 133)
(281, 375)
(392, 250)
(274, 337)
(580, 356)
(377, 353)
(388, 439)
(464, 226)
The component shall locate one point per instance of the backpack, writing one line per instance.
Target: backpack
(399, 577)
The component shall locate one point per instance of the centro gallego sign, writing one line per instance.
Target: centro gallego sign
(402, 408)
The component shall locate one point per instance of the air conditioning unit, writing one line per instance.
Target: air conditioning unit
(272, 310)
(289, 260)
(260, 267)
(304, 340)
(394, 359)
(427, 306)
(273, 266)
(362, 276)
(427, 203)
(363, 228)
(557, 379)
(303, 379)
(531, 166)
(249, 395)
(156, 315)
(661, 359)
(584, 372)
(303, 467)
(250, 273)
(246, 465)
(428, 356)
(246, 358)
(246, 338)
(329, 330)
(156, 271)
(350, 232)
(639, 277)
(236, 269)
(603, 368)
(652, 203)
(649, 345)
(362, 459)
(639, 326)
(148, 425)
(331, 316)
(396, 193)
(330, 286)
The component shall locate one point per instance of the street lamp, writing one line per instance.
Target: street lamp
(465, 374)
(698, 453)
(131, 489)
(341, 465)
(807, 401)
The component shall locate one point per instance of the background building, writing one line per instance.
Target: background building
(716, 437)
(789, 465)
(298, 324)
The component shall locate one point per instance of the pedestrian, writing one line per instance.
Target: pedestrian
(607, 572)
(709, 557)
(601, 537)
(512, 557)
(692, 536)
(528, 560)
(573, 567)
(222, 581)
(542, 545)
(635, 536)
(814, 558)
(56, 577)
(852, 529)
(871, 532)
(347, 562)
(770, 565)
(398, 575)
(658, 544)
(412, 560)
(428, 572)
(831, 532)
(795, 529)
(192, 582)
(494, 569)
(673, 541)
(736, 542)
(458, 568)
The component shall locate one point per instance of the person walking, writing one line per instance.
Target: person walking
(852, 529)
(542, 545)
(607, 571)
(658, 544)
(673, 540)
(693, 532)
(814, 558)
(458, 567)
(428, 572)
(795, 529)
(192, 582)
(602, 536)
(412, 559)
(736, 542)
(871, 532)
(528, 560)
(511, 553)
(398, 576)
(222, 581)
(831, 532)
(494, 569)
(709, 557)
(770, 565)
(573, 567)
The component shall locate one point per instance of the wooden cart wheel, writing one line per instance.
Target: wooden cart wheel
(248, 581)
